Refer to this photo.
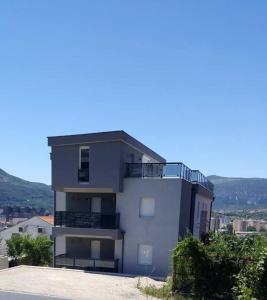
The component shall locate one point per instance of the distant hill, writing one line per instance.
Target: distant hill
(18, 192)
(239, 192)
(231, 193)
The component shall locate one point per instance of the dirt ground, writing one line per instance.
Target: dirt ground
(72, 284)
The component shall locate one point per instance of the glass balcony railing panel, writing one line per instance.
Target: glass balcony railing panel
(167, 170)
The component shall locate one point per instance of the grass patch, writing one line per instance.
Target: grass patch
(164, 292)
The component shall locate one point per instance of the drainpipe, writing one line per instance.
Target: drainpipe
(192, 209)
(122, 255)
(213, 199)
(54, 239)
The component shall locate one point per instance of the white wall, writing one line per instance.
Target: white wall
(29, 227)
(160, 231)
(3, 262)
(60, 245)
(60, 201)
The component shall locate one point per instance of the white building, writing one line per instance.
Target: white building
(36, 226)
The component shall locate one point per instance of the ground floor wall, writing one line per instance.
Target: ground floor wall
(157, 234)
(81, 248)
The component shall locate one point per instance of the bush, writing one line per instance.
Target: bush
(36, 252)
(221, 267)
(15, 248)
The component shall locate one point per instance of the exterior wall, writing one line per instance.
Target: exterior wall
(118, 253)
(3, 262)
(82, 202)
(29, 227)
(185, 208)
(202, 203)
(160, 231)
(60, 245)
(107, 165)
(60, 201)
(104, 166)
(80, 247)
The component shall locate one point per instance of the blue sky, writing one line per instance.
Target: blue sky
(187, 78)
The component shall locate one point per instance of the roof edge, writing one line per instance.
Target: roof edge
(106, 136)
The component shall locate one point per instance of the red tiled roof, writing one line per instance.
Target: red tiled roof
(48, 219)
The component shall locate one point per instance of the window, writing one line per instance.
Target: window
(145, 255)
(20, 229)
(96, 205)
(95, 249)
(41, 230)
(147, 207)
(84, 164)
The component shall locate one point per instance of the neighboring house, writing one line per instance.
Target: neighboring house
(119, 207)
(36, 226)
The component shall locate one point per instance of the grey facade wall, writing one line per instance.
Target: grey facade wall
(114, 234)
(81, 202)
(185, 208)
(81, 247)
(104, 172)
(107, 165)
(160, 231)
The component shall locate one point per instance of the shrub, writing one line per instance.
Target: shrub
(36, 252)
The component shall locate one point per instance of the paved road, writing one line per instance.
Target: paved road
(19, 296)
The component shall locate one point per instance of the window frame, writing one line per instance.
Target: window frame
(80, 155)
(138, 255)
(84, 147)
(140, 207)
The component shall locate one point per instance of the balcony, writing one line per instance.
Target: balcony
(101, 265)
(83, 175)
(87, 220)
(167, 170)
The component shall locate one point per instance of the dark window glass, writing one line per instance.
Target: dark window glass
(84, 165)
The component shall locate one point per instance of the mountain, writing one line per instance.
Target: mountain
(230, 192)
(18, 192)
(238, 193)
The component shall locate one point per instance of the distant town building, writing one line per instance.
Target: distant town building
(245, 225)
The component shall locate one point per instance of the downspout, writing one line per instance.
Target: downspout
(122, 255)
(213, 199)
(54, 239)
(192, 209)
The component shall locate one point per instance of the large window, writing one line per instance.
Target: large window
(84, 161)
(147, 207)
(145, 255)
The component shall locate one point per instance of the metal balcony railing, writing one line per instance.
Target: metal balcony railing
(67, 261)
(87, 220)
(167, 170)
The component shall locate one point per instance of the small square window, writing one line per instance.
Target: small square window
(40, 230)
(20, 229)
(147, 207)
(145, 255)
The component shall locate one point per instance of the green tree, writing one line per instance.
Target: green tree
(35, 252)
(222, 266)
(15, 247)
(38, 251)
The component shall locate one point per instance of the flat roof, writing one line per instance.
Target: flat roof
(107, 136)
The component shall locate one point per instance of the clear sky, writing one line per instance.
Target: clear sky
(187, 78)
